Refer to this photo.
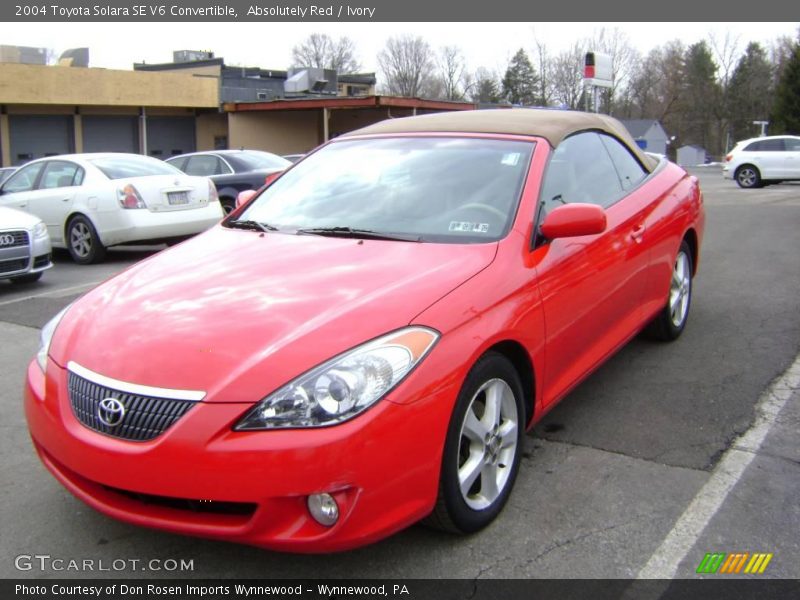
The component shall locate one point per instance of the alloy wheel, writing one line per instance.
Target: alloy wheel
(680, 289)
(488, 444)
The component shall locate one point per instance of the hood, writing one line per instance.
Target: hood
(11, 218)
(230, 311)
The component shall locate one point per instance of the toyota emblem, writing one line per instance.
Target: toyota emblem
(6, 240)
(110, 411)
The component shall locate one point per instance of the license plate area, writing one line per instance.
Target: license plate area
(177, 198)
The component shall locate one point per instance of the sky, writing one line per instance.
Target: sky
(269, 45)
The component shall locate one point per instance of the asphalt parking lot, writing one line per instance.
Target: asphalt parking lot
(666, 453)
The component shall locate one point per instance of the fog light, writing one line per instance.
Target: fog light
(323, 508)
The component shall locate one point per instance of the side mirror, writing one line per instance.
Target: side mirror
(244, 197)
(572, 220)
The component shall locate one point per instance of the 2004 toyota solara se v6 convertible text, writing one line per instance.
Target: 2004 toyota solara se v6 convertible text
(363, 344)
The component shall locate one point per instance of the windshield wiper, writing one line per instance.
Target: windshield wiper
(366, 234)
(254, 225)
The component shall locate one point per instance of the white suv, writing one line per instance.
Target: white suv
(760, 161)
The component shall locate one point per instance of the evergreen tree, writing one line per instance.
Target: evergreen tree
(521, 84)
(786, 112)
(701, 97)
(749, 92)
(485, 89)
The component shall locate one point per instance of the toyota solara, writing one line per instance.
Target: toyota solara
(363, 344)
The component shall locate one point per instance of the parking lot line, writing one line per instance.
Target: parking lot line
(56, 293)
(664, 562)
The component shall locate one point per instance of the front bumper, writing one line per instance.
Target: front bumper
(28, 259)
(201, 478)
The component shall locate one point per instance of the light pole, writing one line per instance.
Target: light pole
(763, 126)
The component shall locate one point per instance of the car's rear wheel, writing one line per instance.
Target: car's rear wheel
(483, 447)
(29, 278)
(748, 176)
(671, 321)
(83, 242)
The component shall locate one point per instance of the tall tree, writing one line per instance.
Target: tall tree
(485, 88)
(749, 93)
(323, 52)
(701, 99)
(452, 71)
(786, 112)
(407, 64)
(520, 83)
(566, 77)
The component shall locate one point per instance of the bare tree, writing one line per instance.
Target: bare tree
(726, 51)
(321, 51)
(407, 64)
(452, 72)
(566, 76)
(485, 87)
(544, 66)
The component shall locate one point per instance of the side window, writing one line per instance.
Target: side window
(792, 145)
(178, 163)
(58, 174)
(23, 180)
(772, 145)
(203, 165)
(628, 168)
(580, 170)
(754, 147)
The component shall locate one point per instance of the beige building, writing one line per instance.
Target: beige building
(173, 108)
(46, 110)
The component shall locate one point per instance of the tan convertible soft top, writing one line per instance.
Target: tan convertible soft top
(553, 125)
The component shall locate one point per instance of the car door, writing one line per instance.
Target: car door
(17, 190)
(591, 286)
(791, 158)
(55, 195)
(768, 156)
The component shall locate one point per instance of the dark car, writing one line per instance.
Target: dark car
(232, 171)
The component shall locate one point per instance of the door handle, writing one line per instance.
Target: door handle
(637, 233)
(66, 199)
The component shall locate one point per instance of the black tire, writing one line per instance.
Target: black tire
(83, 243)
(458, 512)
(748, 176)
(29, 278)
(668, 325)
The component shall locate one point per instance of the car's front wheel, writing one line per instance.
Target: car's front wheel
(671, 321)
(83, 242)
(748, 176)
(483, 447)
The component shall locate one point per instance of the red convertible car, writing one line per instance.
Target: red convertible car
(363, 344)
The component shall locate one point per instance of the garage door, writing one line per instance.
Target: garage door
(168, 136)
(110, 134)
(35, 136)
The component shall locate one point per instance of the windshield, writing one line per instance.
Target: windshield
(439, 189)
(121, 167)
(253, 160)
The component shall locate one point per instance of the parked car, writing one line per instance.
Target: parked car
(761, 161)
(365, 342)
(24, 246)
(6, 172)
(92, 201)
(232, 171)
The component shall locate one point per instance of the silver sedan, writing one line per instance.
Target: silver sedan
(24, 246)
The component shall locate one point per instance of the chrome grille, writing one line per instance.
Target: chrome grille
(145, 417)
(13, 239)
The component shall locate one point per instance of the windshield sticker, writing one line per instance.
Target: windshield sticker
(511, 159)
(468, 227)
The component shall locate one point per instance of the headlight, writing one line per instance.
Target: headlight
(345, 386)
(40, 230)
(46, 336)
